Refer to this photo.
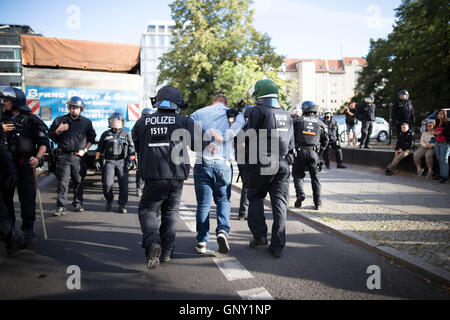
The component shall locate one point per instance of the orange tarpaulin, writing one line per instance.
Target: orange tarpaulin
(79, 54)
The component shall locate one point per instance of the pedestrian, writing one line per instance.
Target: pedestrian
(426, 150)
(310, 137)
(8, 180)
(333, 141)
(162, 171)
(403, 148)
(74, 135)
(403, 111)
(350, 123)
(117, 149)
(139, 181)
(296, 113)
(273, 128)
(213, 173)
(27, 139)
(441, 146)
(365, 112)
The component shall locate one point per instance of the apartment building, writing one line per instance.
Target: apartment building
(329, 83)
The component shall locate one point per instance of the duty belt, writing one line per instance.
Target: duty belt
(61, 151)
(114, 158)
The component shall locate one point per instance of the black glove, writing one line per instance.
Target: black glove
(132, 164)
(98, 165)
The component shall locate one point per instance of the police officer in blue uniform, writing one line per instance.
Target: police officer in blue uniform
(333, 141)
(8, 179)
(310, 131)
(74, 135)
(117, 149)
(27, 140)
(270, 174)
(139, 181)
(164, 165)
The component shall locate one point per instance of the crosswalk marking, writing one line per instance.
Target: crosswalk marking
(255, 294)
(232, 269)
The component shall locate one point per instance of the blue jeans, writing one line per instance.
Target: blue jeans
(212, 179)
(442, 149)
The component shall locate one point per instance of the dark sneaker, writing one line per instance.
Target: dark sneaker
(442, 180)
(341, 166)
(108, 205)
(29, 238)
(327, 166)
(78, 208)
(298, 202)
(223, 242)
(152, 254)
(317, 206)
(276, 253)
(388, 172)
(60, 211)
(257, 242)
(367, 147)
(200, 247)
(122, 209)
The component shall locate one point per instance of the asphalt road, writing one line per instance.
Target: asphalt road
(106, 247)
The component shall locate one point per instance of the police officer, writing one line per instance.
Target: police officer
(333, 140)
(27, 140)
(74, 135)
(403, 112)
(117, 149)
(139, 181)
(309, 132)
(271, 172)
(365, 112)
(8, 179)
(164, 165)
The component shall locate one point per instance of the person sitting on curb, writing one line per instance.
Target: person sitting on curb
(425, 149)
(403, 148)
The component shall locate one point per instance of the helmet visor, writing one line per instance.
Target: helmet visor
(115, 123)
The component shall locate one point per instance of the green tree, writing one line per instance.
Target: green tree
(215, 50)
(415, 57)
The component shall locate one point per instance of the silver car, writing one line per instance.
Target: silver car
(380, 130)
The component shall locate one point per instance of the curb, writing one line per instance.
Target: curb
(438, 275)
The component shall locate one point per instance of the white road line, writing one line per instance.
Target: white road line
(232, 269)
(255, 294)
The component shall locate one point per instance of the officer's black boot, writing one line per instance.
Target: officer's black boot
(317, 206)
(122, 209)
(298, 202)
(108, 205)
(13, 244)
(256, 242)
(341, 166)
(28, 237)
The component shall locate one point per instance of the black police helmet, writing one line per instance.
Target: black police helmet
(146, 112)
(17, 97)
(309, 107)
(405, 93)
(369, 96)
(118, 116)
(76, 102)
(232, 113)
(168, 97)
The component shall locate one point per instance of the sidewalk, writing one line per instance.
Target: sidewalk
(403, 217)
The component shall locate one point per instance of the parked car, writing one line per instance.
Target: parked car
(380, 130)
(432, 117)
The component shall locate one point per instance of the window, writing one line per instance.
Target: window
(170, 28)
(162, 41)
(10, 67)
(151, 28)
(15, 84)
(161, 29)
(9, 40)
(10, 53)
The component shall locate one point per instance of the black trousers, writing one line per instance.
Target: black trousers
(160, 196)
(69, 165)
(366, 132)
(6, 224)
(244, 173)
(111, 169)
(278, 188)
(26, 190)
(306, 160)
(337, 152)
(139, 182)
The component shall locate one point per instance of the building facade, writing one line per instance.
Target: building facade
(329, 83)
(10, 58)
(154, 43)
